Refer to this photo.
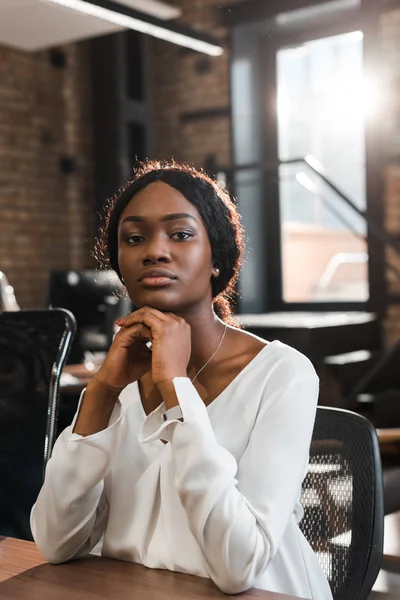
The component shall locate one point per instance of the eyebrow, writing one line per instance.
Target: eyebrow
(172, 217)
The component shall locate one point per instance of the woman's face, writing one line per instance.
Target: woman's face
(164, 253)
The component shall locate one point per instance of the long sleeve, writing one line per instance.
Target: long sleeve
(238, 513)
(70, 513)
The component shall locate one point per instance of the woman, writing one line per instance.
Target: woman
(188, 457)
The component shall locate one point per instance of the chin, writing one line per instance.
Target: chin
(159, 301)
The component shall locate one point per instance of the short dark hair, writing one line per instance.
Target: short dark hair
(216, 208)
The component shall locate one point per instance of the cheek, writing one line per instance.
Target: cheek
(199, 262)
(121, 262)
(127, 263)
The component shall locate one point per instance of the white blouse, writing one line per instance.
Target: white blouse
(220, 500)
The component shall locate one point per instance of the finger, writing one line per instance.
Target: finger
(132, 317)
(145, 317)
(140, 331)
(135, 326)
(136, 335)
(152, 310)
(140, 349)
(136, 331)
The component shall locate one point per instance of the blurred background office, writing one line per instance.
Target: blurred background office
(294, 105)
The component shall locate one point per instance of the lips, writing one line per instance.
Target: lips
(157, 278)
(161, 274)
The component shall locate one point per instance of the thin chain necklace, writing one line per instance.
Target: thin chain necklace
(212, 355)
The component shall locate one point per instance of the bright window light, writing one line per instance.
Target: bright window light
(306, 182)
(138, 25)
(353, 98)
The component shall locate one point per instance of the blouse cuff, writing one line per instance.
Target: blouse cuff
(115, 420)
(193, 409)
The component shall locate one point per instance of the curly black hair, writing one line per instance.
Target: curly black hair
(218, 212)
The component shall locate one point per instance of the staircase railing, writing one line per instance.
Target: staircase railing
(375, 230)
(312, 163)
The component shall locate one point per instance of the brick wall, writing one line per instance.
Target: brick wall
(46, 216)
(186, 83)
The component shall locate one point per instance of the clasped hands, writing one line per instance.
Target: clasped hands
(128, 358)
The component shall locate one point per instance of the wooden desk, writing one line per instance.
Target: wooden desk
(390, 435)
(317, 334)
(25, 575)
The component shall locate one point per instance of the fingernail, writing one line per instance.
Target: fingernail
(119, 322)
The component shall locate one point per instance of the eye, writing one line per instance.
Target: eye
(134, 239)
(181, 236)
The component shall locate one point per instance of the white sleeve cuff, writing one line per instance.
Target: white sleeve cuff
(115, 419)
(193, 410)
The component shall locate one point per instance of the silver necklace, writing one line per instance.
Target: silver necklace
(212, 355)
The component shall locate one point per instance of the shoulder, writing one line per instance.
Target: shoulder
(288, 384)
(281, 372)
(288, 363)
(274, 359)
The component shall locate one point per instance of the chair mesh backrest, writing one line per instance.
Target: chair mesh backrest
(342, 500)
(33, 349)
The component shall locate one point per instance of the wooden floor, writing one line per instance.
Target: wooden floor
(387, 586)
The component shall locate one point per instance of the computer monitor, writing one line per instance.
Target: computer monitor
(96, 299)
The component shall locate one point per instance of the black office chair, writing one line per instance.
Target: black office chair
(33, 348)
(342, 498)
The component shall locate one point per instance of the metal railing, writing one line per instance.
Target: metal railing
(312, 163)
(375, 230)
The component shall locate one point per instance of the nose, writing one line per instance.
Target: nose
(156, 251)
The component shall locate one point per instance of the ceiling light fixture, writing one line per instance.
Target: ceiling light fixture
(156, 8)
(131, 19)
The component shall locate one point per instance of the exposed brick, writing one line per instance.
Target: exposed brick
(46, 216)
(183, 88)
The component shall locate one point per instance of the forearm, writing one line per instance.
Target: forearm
(168, 393)
(96, 409)
(67, 518)
(234, 544)
(69, 515)
(65, 531)
(239, 511)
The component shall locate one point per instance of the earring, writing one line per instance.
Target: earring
(216, 272)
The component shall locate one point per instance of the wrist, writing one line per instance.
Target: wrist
(95, 410)
(167, 379)
(167, 392)
(103, 388)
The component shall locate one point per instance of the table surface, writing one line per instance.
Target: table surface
(305, 320)
(24, 574)
(390, 435)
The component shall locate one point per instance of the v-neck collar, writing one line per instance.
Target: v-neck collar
(249, 365)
